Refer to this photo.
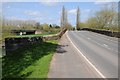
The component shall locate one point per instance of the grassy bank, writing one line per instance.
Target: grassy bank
(31, 61)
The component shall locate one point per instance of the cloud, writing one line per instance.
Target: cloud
(50, 2)
(85, 10)
(72, 11)
(59, 12)
(14, 18)
(37, 19)
(56, 0)
(1, 12)
(99, 2)
(8, 7)
(33, 13)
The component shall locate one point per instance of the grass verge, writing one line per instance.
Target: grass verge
(31, 61)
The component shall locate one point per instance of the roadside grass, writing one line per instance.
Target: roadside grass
(31, 61)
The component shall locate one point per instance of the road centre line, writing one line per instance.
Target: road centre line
(103, 45)
(97, 34)
(88, 38)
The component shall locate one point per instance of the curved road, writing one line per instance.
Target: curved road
(100, 50)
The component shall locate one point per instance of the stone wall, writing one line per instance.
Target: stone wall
(15, 43)
(108, 33)
(55, 37)
(12, 44)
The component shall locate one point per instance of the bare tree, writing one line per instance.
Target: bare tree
(78, 19)
(105, 18)
(37, 25)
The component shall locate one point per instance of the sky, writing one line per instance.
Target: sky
(48, 12)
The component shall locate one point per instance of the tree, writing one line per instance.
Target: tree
(50, 26)
(105, 18)
(82, 25)
(45, 27)
(69, 27)
(64, 19)
(37, 25)
(78, 19)
(92, 22)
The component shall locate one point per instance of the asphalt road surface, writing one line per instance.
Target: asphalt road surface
(67, 63)
(100, 50)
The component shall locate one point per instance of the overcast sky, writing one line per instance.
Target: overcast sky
(49, 12)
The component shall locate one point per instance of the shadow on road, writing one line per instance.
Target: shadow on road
(60, 49)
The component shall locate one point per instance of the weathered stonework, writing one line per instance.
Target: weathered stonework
(108, 33)
(12, 44)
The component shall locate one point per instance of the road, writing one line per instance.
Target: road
(67, 63)
(100, 50)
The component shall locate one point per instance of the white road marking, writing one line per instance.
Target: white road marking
(86, 58)
(88, 38)
(105, 45)
(97, 34)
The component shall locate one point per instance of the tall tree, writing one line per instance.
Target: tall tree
(64, 19)
(78, 19)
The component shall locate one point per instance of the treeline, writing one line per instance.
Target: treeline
(48, 28)
(104, 19)
(7, 27)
